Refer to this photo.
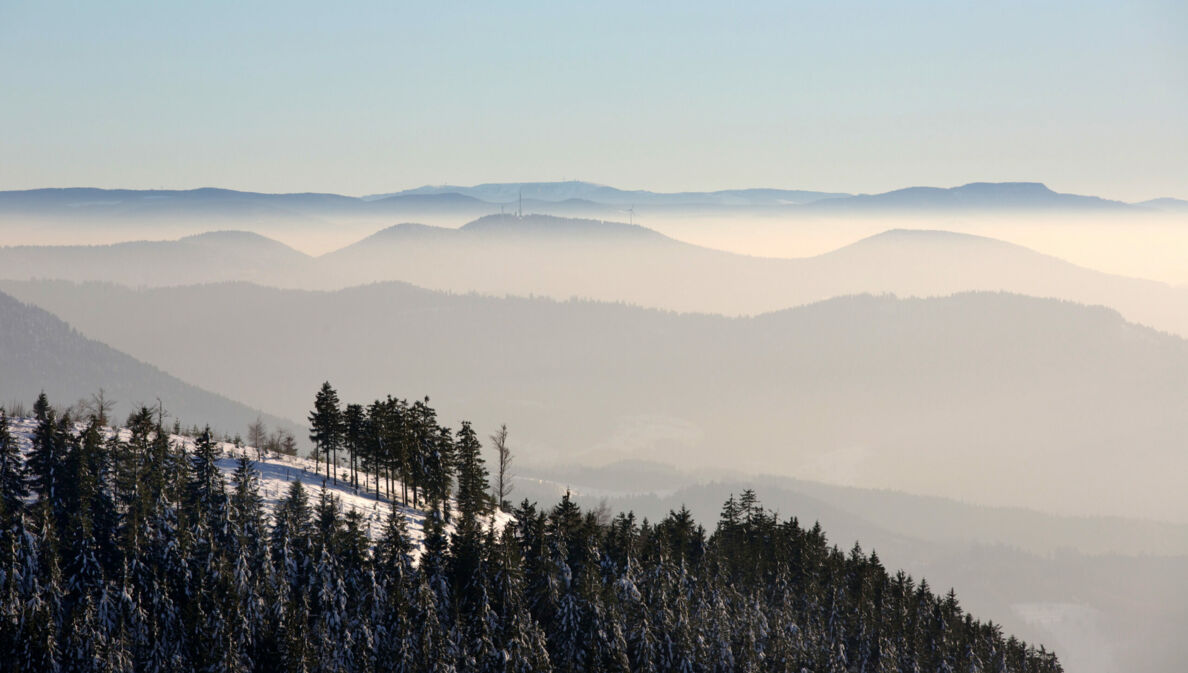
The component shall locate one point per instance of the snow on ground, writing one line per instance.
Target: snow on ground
(278, 472)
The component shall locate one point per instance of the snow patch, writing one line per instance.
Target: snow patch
(278, 472)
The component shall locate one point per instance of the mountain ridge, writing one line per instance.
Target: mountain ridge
(40, 352)
(576, 192)
(612, 261)
(648, 384)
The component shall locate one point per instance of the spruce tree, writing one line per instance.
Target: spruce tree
(473, 501)
(326, 427)
(525, 648)
(40, 598)
(353, 420)
(13, 490)
(48, 452)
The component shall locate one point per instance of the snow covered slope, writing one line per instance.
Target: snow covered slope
(278, 472)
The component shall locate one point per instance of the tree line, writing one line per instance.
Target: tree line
(134, 553)
(404, 450)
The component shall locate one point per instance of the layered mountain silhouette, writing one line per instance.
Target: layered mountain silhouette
(976, 196)
(987, 397)
(1166, 204)
(588, 192)
(611, 261)
(203, 258)
(83, 202)
(41, 353)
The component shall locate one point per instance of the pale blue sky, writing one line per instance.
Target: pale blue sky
(1090, 97)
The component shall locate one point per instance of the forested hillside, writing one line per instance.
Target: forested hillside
(131, 552)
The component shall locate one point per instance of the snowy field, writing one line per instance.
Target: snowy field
(278, 472)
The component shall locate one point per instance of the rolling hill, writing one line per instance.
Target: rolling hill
(203, 258)
(609, 261)
(991, 398)
(563, 258)
(39, 352)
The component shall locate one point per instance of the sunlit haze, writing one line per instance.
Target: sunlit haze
(621, 336)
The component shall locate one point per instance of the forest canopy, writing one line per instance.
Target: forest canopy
(134, 551)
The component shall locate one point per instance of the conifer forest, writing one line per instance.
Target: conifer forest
(129, 549)
(615, 337)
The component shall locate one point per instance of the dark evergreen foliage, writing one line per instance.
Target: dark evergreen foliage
(147, 559)
(327, 428)
(13, 489)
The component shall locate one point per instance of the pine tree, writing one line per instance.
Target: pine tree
(435, 565)
(326, 427)
(331, 639)
(353, 419)
(525, 648)
(640, 641)
(206, 495)
(440, 464)
(473, 500)
(48, 452)
(395, 580)
(428, 642)
(13, 490)
(39, 595)
(291, 526)
(567, 637)
(252, 574)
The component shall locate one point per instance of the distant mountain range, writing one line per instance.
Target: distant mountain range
(1167, 205)
(553, 192)
(576, 195)
(609, 261)
(989, 398)
(81, 202)
(202, 258)
(565, 258)
(40, 353)
(977, 196)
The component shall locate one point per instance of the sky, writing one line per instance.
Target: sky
(359, 98)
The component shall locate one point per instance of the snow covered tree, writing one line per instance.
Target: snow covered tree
(13, 490)
(473, 501)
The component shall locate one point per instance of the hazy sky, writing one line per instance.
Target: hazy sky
(1090, 97)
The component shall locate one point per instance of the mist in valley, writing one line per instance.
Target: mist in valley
(1019, 417)
(908, 280)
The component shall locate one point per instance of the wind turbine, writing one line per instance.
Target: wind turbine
(630, 213)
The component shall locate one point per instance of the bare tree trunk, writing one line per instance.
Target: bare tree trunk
(503, 486)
